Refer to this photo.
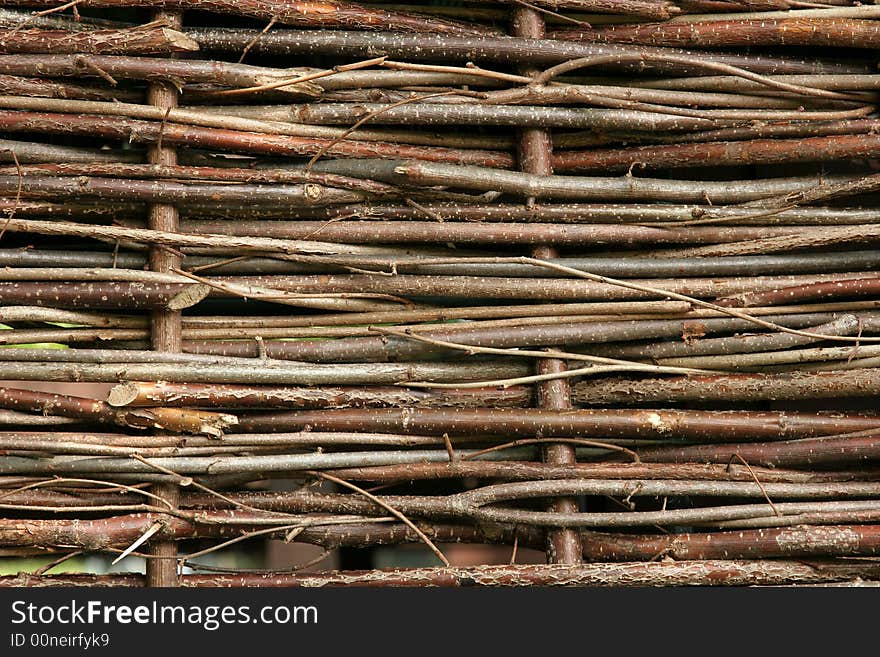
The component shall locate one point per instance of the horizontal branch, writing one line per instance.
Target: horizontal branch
(230, 396)
(572, 188)
(260, 372)
(721, 153)
(390, 348)
(328, 14)
(657, 424)
(237, 141)
(499, 49)
(769, 32)
(728, 388)
(691, 573)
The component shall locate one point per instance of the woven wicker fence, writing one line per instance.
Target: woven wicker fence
(593, 282)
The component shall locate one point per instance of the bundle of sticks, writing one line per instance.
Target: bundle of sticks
(594, 278)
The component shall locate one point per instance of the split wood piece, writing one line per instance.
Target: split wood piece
(140, 394)
(174, 134)
(721, 153)
(143, 40)
(498, 49)
(391, 348)
(722, 426)
(169, 419)
(768, 32)
(327, 14)
(864, 383)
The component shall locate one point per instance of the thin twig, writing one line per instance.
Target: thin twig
(757, 481)
(287, 82)
(537, 441)
(397, 514)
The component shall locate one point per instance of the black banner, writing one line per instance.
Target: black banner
(401, 621)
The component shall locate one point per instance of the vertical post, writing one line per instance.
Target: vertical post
(535, 149)
(165, 325)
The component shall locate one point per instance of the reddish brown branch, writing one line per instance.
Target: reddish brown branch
(812, 32)
(145, 40)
